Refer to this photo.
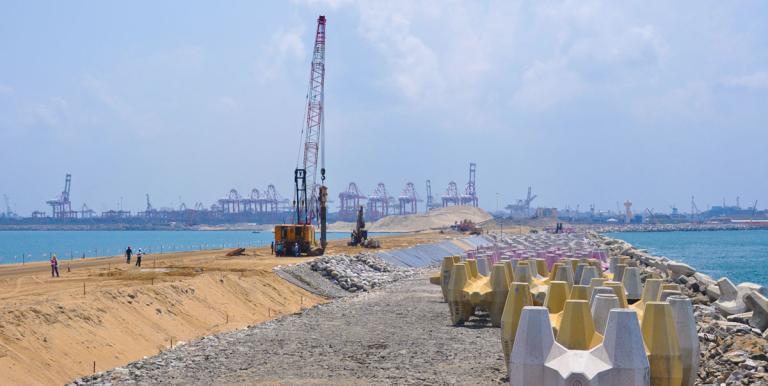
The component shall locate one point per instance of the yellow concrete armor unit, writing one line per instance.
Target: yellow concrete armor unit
(519, 296)
(661, 345)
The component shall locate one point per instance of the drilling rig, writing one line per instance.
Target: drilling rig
(310, 198)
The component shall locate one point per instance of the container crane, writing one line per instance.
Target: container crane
(8, 212)
(310, 198)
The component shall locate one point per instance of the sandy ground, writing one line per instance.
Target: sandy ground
(50, 332)
(400, 335)
(435, 219)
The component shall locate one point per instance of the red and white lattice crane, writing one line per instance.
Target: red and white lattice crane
(307, 205)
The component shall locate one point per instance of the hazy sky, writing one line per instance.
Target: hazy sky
(587, 101)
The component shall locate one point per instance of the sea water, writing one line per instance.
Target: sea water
(739, 255)
(26, 246)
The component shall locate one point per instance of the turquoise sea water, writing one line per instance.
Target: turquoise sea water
(18, 246)
(738, 255)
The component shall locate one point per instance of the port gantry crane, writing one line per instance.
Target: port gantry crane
(61, 206)
(310, 197)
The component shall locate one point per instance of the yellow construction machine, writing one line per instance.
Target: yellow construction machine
(309, 204)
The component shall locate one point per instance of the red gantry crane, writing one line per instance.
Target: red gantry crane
(310, 197)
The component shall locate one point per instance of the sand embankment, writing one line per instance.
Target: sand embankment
(434, 219)
(51, 333)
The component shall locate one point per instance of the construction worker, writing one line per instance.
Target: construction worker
(139, 255)
(128, 253)
(54, 265)
(296, 250)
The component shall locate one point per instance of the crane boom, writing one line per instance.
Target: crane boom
(314, 130)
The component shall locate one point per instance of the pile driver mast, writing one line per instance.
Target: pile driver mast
(310, 197)
(307, 204)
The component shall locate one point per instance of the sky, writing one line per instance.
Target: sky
(588, 102)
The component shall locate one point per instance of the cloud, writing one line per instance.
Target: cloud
(51, 113)
(103, 93)
(545, 84)
(326, 3)
(6, 90)
(286, 44)
(693, 100)
(621, 49)
(226, 104)
(415, 67)
(756, 80)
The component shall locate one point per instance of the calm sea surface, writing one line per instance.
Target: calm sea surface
(738, 255)
(16, 246)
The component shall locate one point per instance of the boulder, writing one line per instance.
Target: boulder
(759, 306)
(680, 269)
(747, 288)
(704, 279)
(729, 302)
(712, 292)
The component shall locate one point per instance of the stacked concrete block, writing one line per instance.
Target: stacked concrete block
(467, 293)
(537, 359)
(541, 268)
(618, 289)
(579, 271)
(443, 277)
(601, 290)
(523, 272)
(651, 292)
(619, 274)
(631, 282)
(576, 331)
(596, 282)
(459, 307)
(677, 269)
(613, 262)
(579, 292)
(590, 272)
(518, 298)
(510, 270)
(729, 302)
(557, 295)
(564, 273)
(687, 337)
(554, 269)
(482, 266)
(601, 307)
(664, 295)
(759, 306)
(662, 344)
(474, 273)
(497, 298)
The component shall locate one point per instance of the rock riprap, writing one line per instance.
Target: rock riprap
(361, 272)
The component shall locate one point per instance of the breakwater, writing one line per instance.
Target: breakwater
(563, 296)
(731, 320)
(738, 255)
(683, 227)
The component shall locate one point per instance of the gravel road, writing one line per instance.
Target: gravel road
(397, 335)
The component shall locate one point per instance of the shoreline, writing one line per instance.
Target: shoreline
(730, 351)
(732, 320)
(686, 227)
(113, 313)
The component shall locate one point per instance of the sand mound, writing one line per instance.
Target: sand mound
(435, 219)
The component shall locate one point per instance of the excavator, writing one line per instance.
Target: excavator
(310, 198)
(359, 236)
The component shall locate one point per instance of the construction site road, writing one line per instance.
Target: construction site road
(398, 335)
